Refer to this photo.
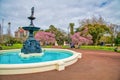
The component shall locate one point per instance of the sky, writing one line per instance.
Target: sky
(57, 12)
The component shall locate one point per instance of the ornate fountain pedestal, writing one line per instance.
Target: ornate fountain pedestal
(31, 47)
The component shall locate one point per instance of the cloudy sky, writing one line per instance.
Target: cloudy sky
(57, 12)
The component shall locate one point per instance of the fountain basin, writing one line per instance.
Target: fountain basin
(10, 69)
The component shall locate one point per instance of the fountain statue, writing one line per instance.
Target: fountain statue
(31, 46)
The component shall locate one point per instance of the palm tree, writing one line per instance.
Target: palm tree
(71, 25)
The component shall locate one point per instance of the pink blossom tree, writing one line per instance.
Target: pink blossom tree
(79, 40)
(45, 37)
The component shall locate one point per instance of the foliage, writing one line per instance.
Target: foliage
(71, 25)
(11, 41)
(96, 27)
(97, 31)
(106, 39)
(117, 39)
(114, 31)
(118, 35)
(79, 40)
(93, 20)
(51, 29)
(45, 37)
(59, 34)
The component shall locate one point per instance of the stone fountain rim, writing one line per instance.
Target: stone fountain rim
(11, 69)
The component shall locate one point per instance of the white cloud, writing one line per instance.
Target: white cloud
(57, 12)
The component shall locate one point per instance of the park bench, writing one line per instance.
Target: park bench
(107, 44)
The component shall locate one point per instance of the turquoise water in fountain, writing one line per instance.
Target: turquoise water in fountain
(12, 57)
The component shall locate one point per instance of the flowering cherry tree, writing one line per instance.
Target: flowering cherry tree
(78, 39)
(45, 37)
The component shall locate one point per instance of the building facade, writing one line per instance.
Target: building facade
(21, 34)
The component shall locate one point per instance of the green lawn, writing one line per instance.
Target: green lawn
(108, 48)
(15, 46)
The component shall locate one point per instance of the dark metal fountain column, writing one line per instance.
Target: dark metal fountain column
(31, 45)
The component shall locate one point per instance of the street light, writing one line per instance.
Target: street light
(68, 35)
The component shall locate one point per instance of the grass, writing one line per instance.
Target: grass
(65, 47)
(19, 46)
(106, 48)
(15, 46)
(48, 46)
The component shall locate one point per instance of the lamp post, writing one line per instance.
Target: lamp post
(68, 35)
(1, 31)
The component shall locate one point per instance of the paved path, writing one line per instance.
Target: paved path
(94, 65)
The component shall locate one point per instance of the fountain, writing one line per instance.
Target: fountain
(24, 61)
(31, 47)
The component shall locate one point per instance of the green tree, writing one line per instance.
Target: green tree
(117, 39)
(59, 34)
(71, 25)
(114, 31)
(106, 39)
(52, 29)
(97, 31)
(96, 27)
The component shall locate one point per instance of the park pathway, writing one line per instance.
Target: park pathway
(94, 65)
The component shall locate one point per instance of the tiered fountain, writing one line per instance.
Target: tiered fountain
(31, 47)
